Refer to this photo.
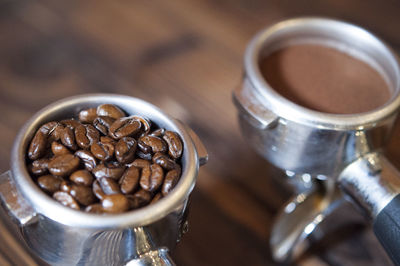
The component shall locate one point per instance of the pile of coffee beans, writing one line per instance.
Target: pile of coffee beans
(105, 161)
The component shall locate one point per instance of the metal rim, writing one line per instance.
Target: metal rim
(293, 112)
(46, 206)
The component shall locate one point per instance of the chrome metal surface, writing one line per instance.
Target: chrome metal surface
(306, 142)
(146, 253)
(200, 148)
(301, 148)
(247, 100)
(18, 207)
(371, 181)
(300, 216)
(158, 257)
(62, 236)
(302, 140)
(59, 244)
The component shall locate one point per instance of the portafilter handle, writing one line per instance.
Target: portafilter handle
(374, 184)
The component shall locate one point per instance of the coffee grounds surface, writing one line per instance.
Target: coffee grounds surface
(324, 79)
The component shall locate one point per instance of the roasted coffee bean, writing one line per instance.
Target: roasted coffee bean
(175, 146)
(56, 134)
(86, 135)
(158, 155)
(108, 144)
(152, 177)
(171, 179)
(40, 166)
(68, 138)
(82, 177)
(155, 143)
(49, 183)
(95, 208)
(92, 134)
(103, 124)
(63, 165)
(82, 194)
(130, 174)
(48, 128)
(109, 186)
(59, 149)
(165, 161)
(114, 164)
(146, 124)
(130, 180)
(103, 150)
(109, 110)
(146, 149)
(144, 156)
(97, 190)
(71, 123)
(87, 158)
(140, 163)
(124, 127)
(114, 172)
(156, 198)
(87, 115)
(65, 186)
(66, 199)
(139, 199)
(108, 140)
(115, 203)
(158, 132)
(125, 150)
(37, 147)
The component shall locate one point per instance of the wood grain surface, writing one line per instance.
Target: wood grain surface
(184, 56)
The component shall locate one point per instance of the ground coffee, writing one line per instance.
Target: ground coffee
(325, 79)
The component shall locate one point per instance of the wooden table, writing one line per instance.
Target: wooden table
(184, 56)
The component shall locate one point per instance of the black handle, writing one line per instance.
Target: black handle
(387, 229)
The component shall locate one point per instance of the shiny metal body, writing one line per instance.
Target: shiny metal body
(300, 216)
(371, 181)
(304, 141)
(62, 236)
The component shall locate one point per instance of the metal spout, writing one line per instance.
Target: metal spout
(147, 255)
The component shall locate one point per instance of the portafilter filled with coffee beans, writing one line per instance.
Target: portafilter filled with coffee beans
(102, 179)
(319, 99)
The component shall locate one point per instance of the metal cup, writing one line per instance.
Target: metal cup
(320, 151)
(62, 236)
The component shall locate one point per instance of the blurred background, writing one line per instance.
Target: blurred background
(184, 56)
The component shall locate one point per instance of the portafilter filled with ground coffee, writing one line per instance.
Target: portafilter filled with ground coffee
(319, 99)
(102, 179)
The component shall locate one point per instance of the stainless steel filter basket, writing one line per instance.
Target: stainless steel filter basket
(62, 236)
(337, 150)
(314, 142)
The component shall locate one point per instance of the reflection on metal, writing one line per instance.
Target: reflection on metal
(15, 203)
(153, 258)
(146, 255)
(372, 182)
(299, 218)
